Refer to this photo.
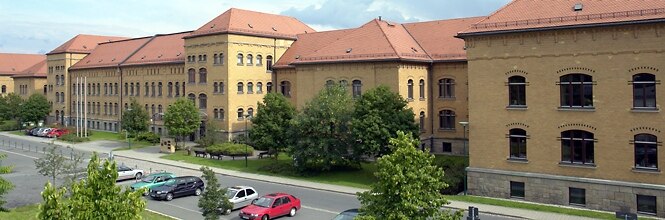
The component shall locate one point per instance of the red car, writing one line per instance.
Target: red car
(271, 206)
(57, 132)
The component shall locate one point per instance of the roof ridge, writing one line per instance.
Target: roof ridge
(128, 39)
(488, 16)
(440, 20)
(417, 42)
(386, 36)
(137, 50)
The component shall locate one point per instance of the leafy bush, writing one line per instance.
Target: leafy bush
(148, 137)
(214, 149)
(230, 149)
(9, 125)
(453, 166)
(73, 138)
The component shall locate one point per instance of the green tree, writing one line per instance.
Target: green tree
(407, 185)
(52, 164)
(135, 119)
(377, 115)
(214, 197)
(5, 186)
(271, 123)
(212, 135)
(320, 135)
(53, 206)
(9, 105)
(182, 118)
(35, 108)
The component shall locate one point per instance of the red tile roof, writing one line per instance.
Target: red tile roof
(11, 63)
(36, 71)
(238, 21)
(111, 54)
(166, 48)
(524, 15)
(83, 43)
(308, 44)
(438, 37)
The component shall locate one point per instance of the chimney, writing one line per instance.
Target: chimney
(379, 18)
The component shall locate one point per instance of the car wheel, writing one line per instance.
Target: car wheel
(198, 192)
(169, 197)
(265, 217)
(292, 212)
(228, 212)
(138, 176)
(146, 193)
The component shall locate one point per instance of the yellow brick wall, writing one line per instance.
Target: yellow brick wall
(32, 85)
(66, 60)
(8, 82)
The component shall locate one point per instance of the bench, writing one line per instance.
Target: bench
(216, 154)
(269, 153)
(200, 152)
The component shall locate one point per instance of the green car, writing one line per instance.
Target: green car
(152, 180)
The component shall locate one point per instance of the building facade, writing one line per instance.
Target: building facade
(14, 65)
(31, 81)
(565, 104)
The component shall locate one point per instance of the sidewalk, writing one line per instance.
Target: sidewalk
(151, 154)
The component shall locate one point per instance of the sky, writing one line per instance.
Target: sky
(39, 26)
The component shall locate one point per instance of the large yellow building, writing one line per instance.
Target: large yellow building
(23, 65)
(31, 81)
(565, 104)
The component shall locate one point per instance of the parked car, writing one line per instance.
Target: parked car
(347, 215)
(151, 181)
(241, 196)
(44, 132)
(271, 206)
(178, 187)
(125, 173)
(57, 132)
(37, 131)
(28, 131)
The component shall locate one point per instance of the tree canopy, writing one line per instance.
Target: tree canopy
(214, 197)
(10, 106)
(182, 118)
(5, 185)
(35, 109)
(271, 123)
(135, 119)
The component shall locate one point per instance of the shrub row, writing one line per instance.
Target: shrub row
(73, 138)
(9, 125)
(148, 137)
(230, 149)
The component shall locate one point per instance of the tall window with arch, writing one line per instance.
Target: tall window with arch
(221, 59)
(576, 91)
(269, 86)
(192, 97)
(159, 89)
(138, 89)
(422, 121)
(240, 88)
(191, 75)
(329, 83)
(203, 75)
(169, 89)
(203, 101)
(446, 88)
(357, 88)
(577, 147)
(644, 91)
(250, 59)
(517, 91)
(259, 87)
(646, 151)
(409, 89)
(147, 89)
(241, 113)
(177, 89)
(214, 87)
(517, 143)
(152, 89)
(259, 60)
(240, 59)
(250, 88)
(269, 63)
(250, 112)
(131, 89)
(285, 88)
(221, 88)
(447, 120)
(421, 88)
(221, 114)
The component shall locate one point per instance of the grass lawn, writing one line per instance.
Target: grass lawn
(30, 213)
(355, 178)
(19, 132)
(105, 135)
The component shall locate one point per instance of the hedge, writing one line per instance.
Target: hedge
(230, 149)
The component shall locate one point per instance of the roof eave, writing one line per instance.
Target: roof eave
(239, 33)
(362, 61)
(152, 63)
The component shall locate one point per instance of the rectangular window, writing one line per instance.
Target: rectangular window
(576, 196)
(447, 147)
(646, 205)
(516, 189)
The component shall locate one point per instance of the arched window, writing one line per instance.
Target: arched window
(116, 88)
(221, 114)
(57, 97)
(577, 147)
(517, 144)
(159, 89)
(183, 88)
(241, 113)
(99, 108)
(116, 110)
(259, 87)
(240, 59)
(138, 89)
(357, 88)
(576, 91)
(62, 97)
(250, 112)
(329, 83)
(152, 109)
(152, 87)
(205, 57)
(192, 97)
(446, 88)
(221, 88)
(259, 60)
(203, 101)
(159, 109)
(221, 58)
(250, 88)
(126, 107)
(269, 63)
(131, 89)
(191, 75)
(216, 113)
(421, 89)
(215, 61)
(106, 108)
(57, 115)
(644, 91)
(106, 89)
(422, 121)
(214, 87)
(646, 151)
(250, 59)
(285, 88)
(203, 75)
(94, 88)
(170, 89)
(269, 86)
(177, 89)
(147, 89)
(343, 83)
(146, 108)
(409, 89)
(447, 120)
(240, 88)
(517, 91)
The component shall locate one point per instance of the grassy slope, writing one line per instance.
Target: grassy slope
(30, 213)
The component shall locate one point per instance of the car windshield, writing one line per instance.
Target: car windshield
(263, 202)
(345, 216)
(170, 183)
(149, 179)
(231, 193)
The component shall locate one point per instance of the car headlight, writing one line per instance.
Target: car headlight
(255, 215)
(161, 192)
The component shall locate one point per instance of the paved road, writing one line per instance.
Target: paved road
(317, 204)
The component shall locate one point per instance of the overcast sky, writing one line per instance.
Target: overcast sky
(38, 26)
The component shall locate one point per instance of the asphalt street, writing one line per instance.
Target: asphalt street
(316, 204)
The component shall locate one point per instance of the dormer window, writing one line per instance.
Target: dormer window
(578, 7)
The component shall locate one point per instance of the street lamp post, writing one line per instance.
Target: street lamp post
(129, 141)
(464, 124)
(247, 117)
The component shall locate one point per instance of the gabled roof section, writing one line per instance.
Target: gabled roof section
(165, 48)
(529, 15)
(12, 63)
(376, 40)
(309, 44)
(238, 21)
(438, 37)
(111, 54)
(36, 71)
(83, 43)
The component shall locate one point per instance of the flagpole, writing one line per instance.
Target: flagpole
(77, 103)
(85, 106)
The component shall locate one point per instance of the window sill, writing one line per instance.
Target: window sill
(646, 170)
(240, 64)
(241, 93)
(409, 99)
(517, 160)
(517, 107)
(258, 65)
(645, 110)
(249, 64)
(447, 129)
(268, 71)
(423, 99)
(250, 93)
(577, 165)
(447, 98)
(577, 109)
(218, 64)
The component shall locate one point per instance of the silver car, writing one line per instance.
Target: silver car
(125, 173)
(241, 196)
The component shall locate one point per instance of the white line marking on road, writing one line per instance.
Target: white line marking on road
(318, 209)
(180, 207)
(10, 152)
(162, 214)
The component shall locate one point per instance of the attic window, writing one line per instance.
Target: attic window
(113, 59)
(143, 57)
(84, 47)
(160, 56)
(298, 57)
(250, 25)
(213, 26)
(414, 49)
(88, 61)
(390, 24)
(578, 7)
(177, 55)
(349, 50)
(274, 29)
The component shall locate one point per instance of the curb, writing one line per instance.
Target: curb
(487, 213)
(162, 214)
